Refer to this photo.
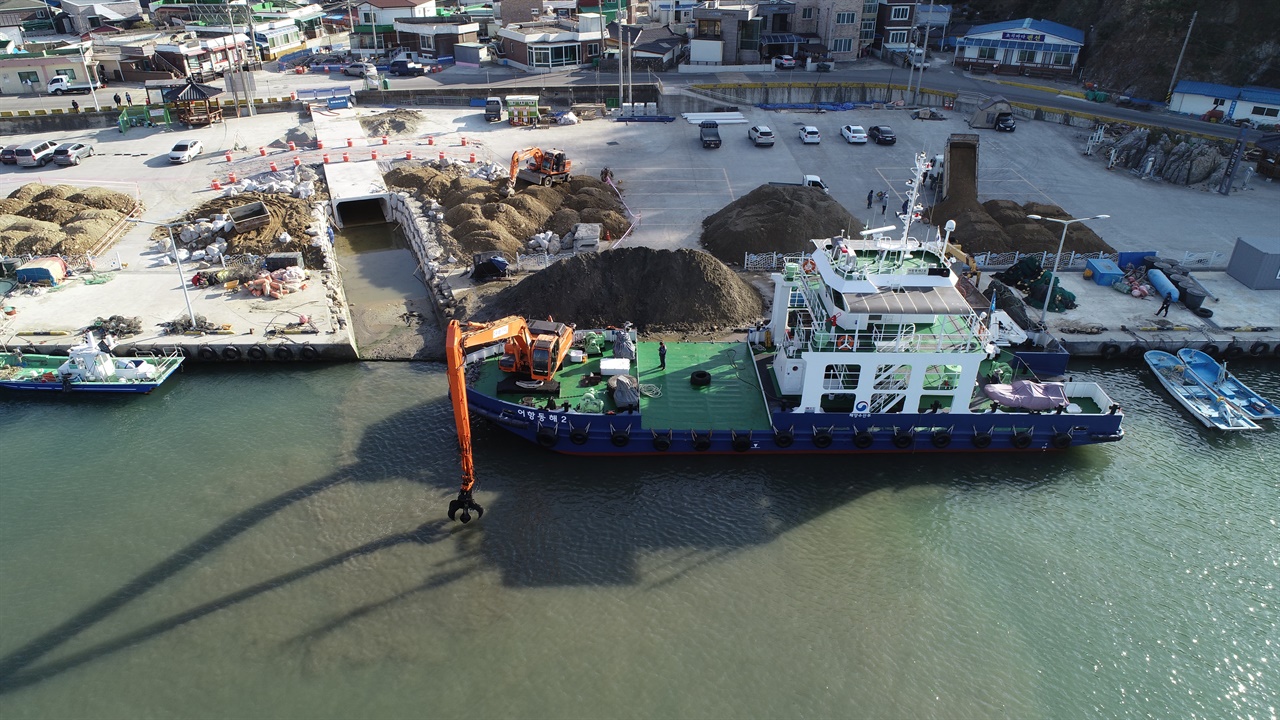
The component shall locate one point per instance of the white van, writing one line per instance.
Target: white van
(36, 154)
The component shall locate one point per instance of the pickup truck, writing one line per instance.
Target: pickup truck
(406, 67)
(812, 181)
(916, 59)
(709, 130)
(494, 109)
(60, 85)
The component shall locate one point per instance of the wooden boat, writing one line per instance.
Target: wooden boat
(1219, 380)
(1207, 406)
(86, 369)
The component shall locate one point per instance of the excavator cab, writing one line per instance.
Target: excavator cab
(551, 341)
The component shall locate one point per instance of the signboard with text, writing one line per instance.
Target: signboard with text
(1025, 36)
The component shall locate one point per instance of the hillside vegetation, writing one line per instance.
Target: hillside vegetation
(1131, 46)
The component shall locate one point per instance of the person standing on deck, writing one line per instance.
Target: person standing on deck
(662, 356)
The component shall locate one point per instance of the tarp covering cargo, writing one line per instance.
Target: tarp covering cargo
(1028, 395)
(45, 270)
(488, 266)
(986, 114)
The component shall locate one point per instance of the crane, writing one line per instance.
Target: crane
(533, 348)
(544, 168)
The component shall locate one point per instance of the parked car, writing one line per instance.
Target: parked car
(35, 154)
(882, 135)
(809, 135)
(1005, 122)
(761, 135)
(360, 69)
(9, 155)
(854, 133)
(405, 67)
(786, 62)
(72, 153)
(184, 151)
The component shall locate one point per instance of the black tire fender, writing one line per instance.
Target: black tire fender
(661, 443)
(231, 352)
(1259, 349)
(701, 443)
(1109, 351)
(699, 378)
(741, 443)
(1061, 441)
(1211, 350)
(822, 439)
(207, 353)
(903, 439)
(620, 438)
(981, 440)
(309, 353)
(1134, 351)
(283, 353)
(547, 437)
(579, 436)
(863, 440)
(1021, 440)
(1232, 352)
(257, 352)
(941, 439)
(784, 438)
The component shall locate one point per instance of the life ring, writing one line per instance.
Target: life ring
(284, 352)
(741, 443)
(578, 436)
(309, 353)
(1061, 440)
(981, 440)
(207, 353)
(822, 439)
(1259, 349)
(661, 443)
(863, 440)
(784, 438)
(941, 439)
(844, 342)
(903, 439)
(231, 352)
(1109, 351)
(1232, 352)
(699, 378)
(547, 437)
(257, 353)
(1022, 440)
(1210, 349)
(701, 442)
(620, 438)
(1134, 351)
(809, 265)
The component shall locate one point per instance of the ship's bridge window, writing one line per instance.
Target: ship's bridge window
(892, 377)
(841, 377)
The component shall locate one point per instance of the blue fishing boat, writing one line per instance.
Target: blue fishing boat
(1185, 386)
(1215, 375)
(86, 369)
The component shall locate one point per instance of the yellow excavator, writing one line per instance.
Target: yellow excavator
(544, 168)
(536, 349)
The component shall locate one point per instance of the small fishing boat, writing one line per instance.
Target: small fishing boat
(1219, 380)
(1208, 406)
(86, 369)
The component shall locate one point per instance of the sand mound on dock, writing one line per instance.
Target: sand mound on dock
(393, 122)
(658, 290)
(775, 218)
(479, 219)
(41, 219)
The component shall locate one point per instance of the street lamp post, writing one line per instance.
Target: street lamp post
(93, 79)
(1053, 277)
(182, 277)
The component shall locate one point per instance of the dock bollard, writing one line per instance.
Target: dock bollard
(350, 143)
(228, 156)
(262, 151)
(386, 140)
(274, 168)
(326, 158)
(408, 154)
(375, 155)
(346, 157)
(472, 159)
(297, 161)
(292, 147)
(217, 185)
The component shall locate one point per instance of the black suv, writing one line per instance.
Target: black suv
(882, 135)
(1005, 122)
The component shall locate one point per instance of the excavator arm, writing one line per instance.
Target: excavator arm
(516, 158)
(457, 342)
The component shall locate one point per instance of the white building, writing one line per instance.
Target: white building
(1257, 104)
(1021, 47)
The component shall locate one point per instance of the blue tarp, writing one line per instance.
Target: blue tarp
(45, 270)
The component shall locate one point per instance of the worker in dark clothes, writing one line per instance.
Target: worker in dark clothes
(905, 205)
(870, 194)
(884, 204)
(117, 99)
(75, 106)
(1164, 306)
(662, 356)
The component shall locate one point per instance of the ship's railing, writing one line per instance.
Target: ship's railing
(966, 337)
(762, 262)
(1070, 260)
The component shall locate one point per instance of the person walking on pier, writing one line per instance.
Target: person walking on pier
(662, 356)
(128, 99)
(117, 99)
(1164, 306)
(884, 204)
(870, 194)
(75, 106)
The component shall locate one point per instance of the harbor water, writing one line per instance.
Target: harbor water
(271, 542)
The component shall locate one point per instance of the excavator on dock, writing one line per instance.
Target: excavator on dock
(544, 168)
(530, 349)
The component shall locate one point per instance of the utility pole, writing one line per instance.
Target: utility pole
(928, 25)
(1169, 95)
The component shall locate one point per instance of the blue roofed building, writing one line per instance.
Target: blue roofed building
(1039, 48)
(1259, 105)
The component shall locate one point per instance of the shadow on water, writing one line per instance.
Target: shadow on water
(551, 520)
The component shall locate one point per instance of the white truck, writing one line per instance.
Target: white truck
(915, 58)
(812, 181)
(60, 85)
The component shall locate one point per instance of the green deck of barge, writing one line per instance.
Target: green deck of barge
(732, 401)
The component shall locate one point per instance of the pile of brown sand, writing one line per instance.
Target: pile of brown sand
(775, 218)
(393, 122)
(288, 214)
(658, 290)
(480, 219)
(59, 219)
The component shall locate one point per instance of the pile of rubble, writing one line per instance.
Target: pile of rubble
(1179, 159)
(39, 219)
